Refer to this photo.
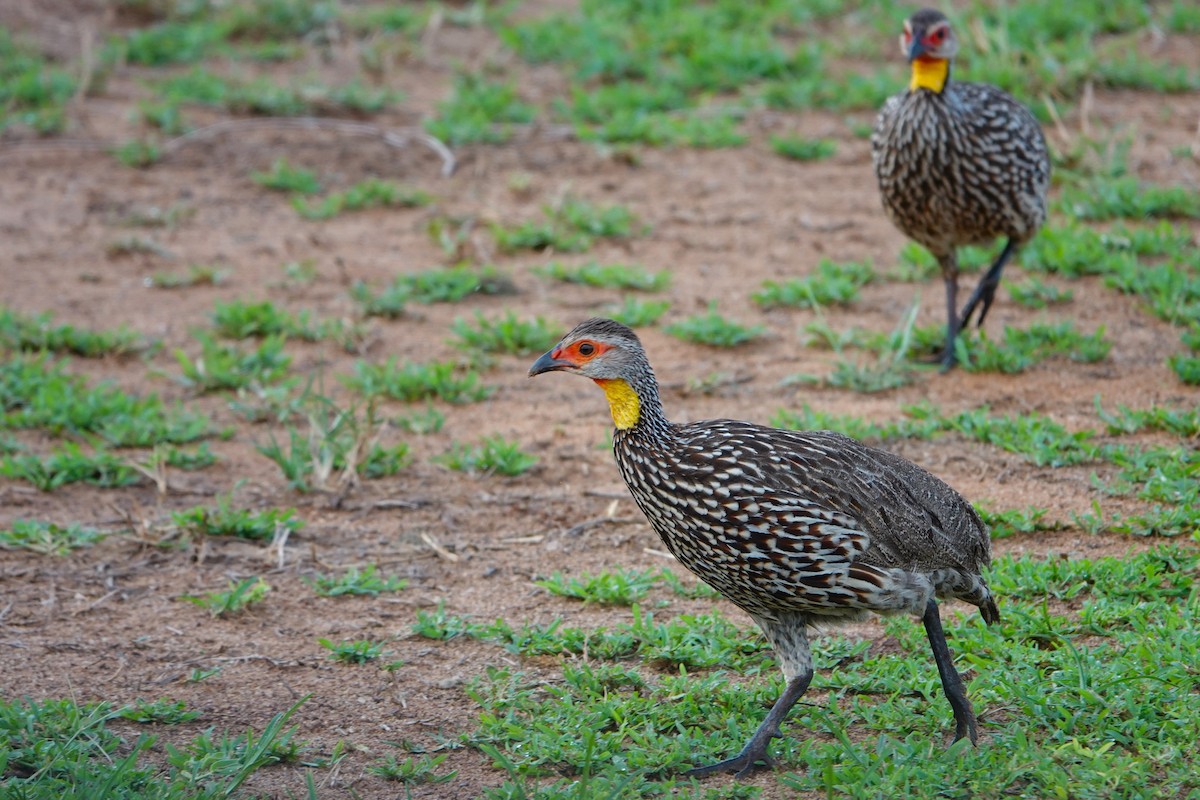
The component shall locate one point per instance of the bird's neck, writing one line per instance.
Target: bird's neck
(929, 73)
(633, 406)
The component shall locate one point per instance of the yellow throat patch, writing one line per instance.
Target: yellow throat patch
(929, 73)
(623, 402)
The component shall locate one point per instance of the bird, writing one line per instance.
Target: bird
(796, 528)
(958, 163)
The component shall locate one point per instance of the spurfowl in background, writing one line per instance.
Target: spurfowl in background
(958, 163)
(794, 527)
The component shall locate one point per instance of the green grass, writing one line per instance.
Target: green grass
(194, 275)
(1068, 697)
(38, 392)
(493, 455)
(22, 332)
(370, 193)
(507, 334)
(440, 380)
(623, 587)
(358, 651)
(799, 148)
(1128, 198)
(440, 285)
(48, 538)
(224, 519)
(70, 463)
(608, 276)
(891, 367)
(479, 111)
(1171, 289)
(33, 93)
(237, 598)
(638, 313)
(831, 284)
(221, 366)
(266, 97)
(714, 330)
(1021, 348)
(1035, 293)
(412, 771)
(332, 444)
(570, 226)
(355, 581)
(243, 319)
(283, 177)
(66, 749)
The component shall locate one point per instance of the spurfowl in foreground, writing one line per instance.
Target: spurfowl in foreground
(958, 163)
(794, 527)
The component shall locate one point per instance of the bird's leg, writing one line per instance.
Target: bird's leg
(755, 750)
(985, 292)
(950, 276)
(964, 715)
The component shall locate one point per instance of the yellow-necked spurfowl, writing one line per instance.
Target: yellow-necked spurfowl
(958, 163)
(795, 527)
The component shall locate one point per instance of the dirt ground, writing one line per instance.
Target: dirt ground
(105, 622)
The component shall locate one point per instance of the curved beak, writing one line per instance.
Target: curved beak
(916, 49)
(548, 363)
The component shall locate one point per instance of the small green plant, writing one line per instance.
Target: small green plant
(412, 771)
(891, 368)
(226, 366)
(507, 334)
(38, 393)
(832, 283)
(159, 712)
(1014, 521)
(714, 330)
(442, 380)
(1023, 348)
(431, 420)
(1128, 198)
(1186, 367)
(493, 454)
(479, 111)
(608, 276)
(242, 523)
(138, 153)
(355, 581)
(69, 463)
(241, 319)
(21, 332)
(283, 177)
(33, 93)
(239, 596)
(623, 587)
(194, 275)
(801, 149)
(638, 313)
(47, 538)
(1036, 293)
(359, 651)
(336, 439)
(371, 193)
(571, 226)
(447, 285)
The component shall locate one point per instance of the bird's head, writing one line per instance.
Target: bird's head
(611, 355)
(929, 43)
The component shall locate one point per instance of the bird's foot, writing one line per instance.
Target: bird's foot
(948, 359)
(745, 762)
(742, 764)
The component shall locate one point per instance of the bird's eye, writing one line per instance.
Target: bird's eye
(586, 349)
(938, 36)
